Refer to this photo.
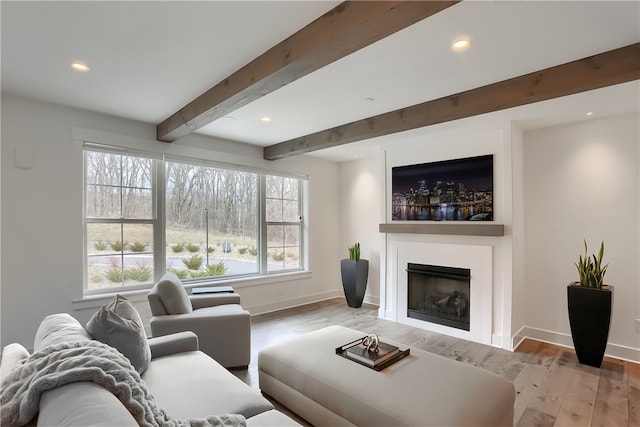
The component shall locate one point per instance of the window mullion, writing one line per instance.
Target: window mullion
(262, 215)
(159, 229)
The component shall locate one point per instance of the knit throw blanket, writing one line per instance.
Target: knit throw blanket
(91, 361)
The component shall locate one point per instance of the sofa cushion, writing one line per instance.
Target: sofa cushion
(193, 385)
(58, 328)
(173, 295)
(12, 355)
(119, 325)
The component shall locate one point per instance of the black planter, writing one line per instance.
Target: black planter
(354, 280)
(589, 318)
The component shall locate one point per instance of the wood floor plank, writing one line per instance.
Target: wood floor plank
(503, 363)
(552, 388)
(475, 354)
(545, 405)
(528, 347)
(633, 391)
(612, 401)
(577, 407)
(526, 385)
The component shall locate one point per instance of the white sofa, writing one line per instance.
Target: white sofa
(185, 382)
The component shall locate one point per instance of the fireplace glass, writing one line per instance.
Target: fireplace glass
(439, 294)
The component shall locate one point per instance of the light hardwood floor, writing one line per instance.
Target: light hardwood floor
(552, 388)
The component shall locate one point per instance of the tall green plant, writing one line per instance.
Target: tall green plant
(590, 268)
(354, 252)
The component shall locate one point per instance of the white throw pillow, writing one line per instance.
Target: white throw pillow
(119, 325)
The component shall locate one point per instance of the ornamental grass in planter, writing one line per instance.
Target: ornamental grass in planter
(589, 306)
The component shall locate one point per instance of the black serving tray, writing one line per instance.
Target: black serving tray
(341, 351)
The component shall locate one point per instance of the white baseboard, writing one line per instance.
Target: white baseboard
(613, 350)
(293, 302)
(368, 299)
(307, 299)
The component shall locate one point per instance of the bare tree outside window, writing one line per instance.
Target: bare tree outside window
(211, 215)
(210, 221)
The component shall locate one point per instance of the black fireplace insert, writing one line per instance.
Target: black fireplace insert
(439, 294)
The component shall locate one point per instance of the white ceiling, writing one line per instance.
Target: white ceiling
(149, 59)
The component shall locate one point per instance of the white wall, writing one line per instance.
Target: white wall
(517, 309)
(42, 207)
(581, 182)
(360, 216)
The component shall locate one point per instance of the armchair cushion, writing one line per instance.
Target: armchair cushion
(173, 295)
(212, 300)
(119, 325)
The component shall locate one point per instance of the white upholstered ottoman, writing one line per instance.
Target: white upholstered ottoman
(423, 389)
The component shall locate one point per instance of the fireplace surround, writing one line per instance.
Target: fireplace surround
(478, 259)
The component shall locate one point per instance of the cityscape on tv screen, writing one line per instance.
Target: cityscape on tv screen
(449, 190)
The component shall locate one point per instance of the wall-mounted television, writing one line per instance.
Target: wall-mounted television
(449, 190)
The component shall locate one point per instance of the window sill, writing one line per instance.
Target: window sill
(140, 295)
(247, 282)
(92, 301)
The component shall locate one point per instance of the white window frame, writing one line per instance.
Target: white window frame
(159, 223)
(265, 224)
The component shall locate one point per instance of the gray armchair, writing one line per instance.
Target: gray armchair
(223, 327)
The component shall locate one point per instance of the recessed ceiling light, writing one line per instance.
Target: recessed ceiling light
(460, 44)
(265, 119)
(589, 113)
(80, 66)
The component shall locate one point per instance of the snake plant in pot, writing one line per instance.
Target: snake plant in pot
(589, 304)
(355, 273)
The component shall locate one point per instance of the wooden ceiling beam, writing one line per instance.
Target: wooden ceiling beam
(594, 72)
(345, 29)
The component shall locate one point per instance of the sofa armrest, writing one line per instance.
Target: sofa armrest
(12, 355)
(178, 342)
(211, 300)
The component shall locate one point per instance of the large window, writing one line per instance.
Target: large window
(120, 220)
(145, 216)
